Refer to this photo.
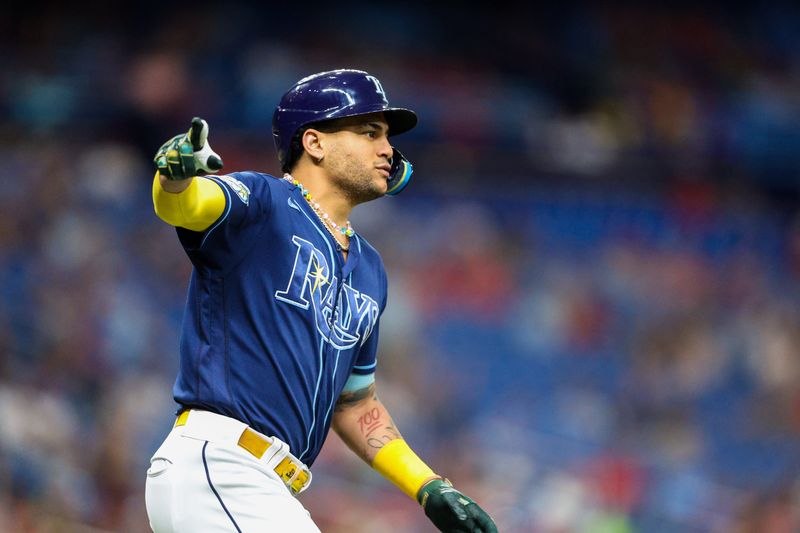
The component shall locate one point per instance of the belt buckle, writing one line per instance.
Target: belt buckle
(300, 482)
(293, 475)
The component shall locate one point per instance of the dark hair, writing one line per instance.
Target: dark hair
(295, 150)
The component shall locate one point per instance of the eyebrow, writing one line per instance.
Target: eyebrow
(377, 126)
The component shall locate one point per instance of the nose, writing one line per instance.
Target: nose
(385, 149)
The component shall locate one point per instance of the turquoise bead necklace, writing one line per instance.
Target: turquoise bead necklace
(332, 227)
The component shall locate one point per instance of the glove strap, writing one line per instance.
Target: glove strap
(430, 486)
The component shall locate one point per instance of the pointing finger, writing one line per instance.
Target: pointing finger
(199, 133)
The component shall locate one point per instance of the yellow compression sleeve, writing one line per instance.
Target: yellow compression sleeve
(398, 463)
(195, 208)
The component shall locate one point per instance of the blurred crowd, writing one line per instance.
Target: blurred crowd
(594, 312)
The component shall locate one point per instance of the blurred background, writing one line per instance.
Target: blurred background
(594, 312)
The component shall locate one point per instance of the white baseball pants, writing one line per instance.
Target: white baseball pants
(201, 481)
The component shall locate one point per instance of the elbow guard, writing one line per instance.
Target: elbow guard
(196, 208)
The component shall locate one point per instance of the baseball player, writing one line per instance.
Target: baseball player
(282, 316)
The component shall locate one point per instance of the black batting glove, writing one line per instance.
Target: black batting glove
(188, 154)
(453, 512)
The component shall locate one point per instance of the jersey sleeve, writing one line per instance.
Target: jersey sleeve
(367, 360)
(247, 208)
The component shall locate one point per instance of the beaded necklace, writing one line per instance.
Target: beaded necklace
(332, 227)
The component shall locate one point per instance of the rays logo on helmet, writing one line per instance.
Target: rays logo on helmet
(378, 86)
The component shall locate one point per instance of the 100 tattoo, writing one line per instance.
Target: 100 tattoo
(377, 432)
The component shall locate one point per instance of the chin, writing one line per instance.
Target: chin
(374, 194)
(367, 192)
(377, 188)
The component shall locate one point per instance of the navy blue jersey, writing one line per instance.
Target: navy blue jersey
(276, 321)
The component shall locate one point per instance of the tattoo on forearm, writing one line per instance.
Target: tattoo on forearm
(384, 435)
(375, 425)
(369, 421)
(349, 399)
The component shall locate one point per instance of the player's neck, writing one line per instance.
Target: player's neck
(330, 198)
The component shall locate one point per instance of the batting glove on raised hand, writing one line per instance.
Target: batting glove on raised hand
(453, 512)
(188, 154)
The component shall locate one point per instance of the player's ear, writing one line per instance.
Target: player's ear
(313, 141)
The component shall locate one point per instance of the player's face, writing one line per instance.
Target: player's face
(358, 157)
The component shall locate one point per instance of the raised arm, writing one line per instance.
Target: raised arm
(365, 425)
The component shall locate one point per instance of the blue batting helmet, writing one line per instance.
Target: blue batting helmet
(330, 95)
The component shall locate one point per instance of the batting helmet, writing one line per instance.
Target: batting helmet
(330, 95)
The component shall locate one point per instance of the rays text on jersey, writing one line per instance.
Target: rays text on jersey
(343, 315)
